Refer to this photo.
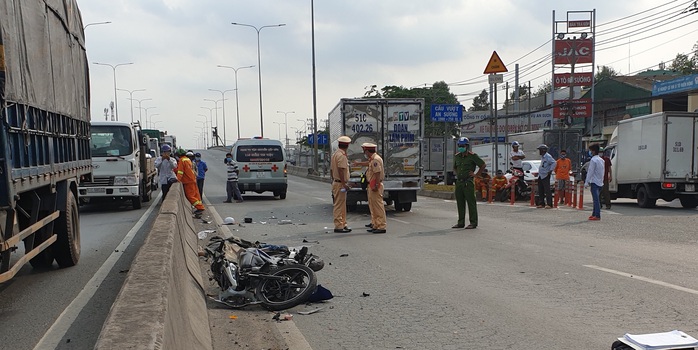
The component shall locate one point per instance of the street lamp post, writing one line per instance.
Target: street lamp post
(259, 69)
(312, 35)
(140, 109)
(279, 124)
(130, 94)
(237, 104)
(113, 67)
(204, 131)
(151, 117)
(208, 125)
(210, 112)
(286, 123)
(94, 24)
(215, 103)
(146, 115)
(223, 100)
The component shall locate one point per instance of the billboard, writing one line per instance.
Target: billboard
(573, 51)
(476, 125)
(581, 108)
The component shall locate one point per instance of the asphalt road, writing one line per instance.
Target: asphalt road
(73, 303)
(524, 279)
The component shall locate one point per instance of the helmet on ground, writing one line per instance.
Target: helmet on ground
(197, 154)
(165, 148)
(515, 143)
(228, 221)
(543, 146)
(463, 141)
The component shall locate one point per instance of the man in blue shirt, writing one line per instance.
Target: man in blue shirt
(547, 165)
(595, 177)
(201, 169)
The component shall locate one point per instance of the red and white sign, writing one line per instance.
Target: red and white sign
(573, 51)
(579, 24)
(576, 79)
(581, 108)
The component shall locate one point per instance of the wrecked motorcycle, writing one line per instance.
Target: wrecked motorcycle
(248, 275)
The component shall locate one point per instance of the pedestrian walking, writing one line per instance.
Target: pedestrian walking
(166, 166)
(186, 175)
(547, 164)
(374, 176)
(201, 169)
(464, 164)
(607, 173)
(231, 185)
(562, 174)
(595, 176)
(339, 173)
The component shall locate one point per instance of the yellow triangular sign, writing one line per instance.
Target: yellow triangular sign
(495, 65)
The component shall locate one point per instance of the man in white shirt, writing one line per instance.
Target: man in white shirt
(595, 176)
(517, 156)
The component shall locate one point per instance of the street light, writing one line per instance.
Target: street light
(113, 67)
(210, 112)
(312, 35)
(150, 121)
(237, 104)
(130, 93)
(204, 130)
(146, 114)
(286, 122)
(223, 99)
(259, 68)
(279, 124)
(94, 24)
(140, 109)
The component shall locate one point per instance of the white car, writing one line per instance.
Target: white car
(530, 168)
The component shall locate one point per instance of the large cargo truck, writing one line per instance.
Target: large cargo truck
(434, 153)
(655, 157)
(44, 134)
(396, 126)
(123, 167)
(486, 151)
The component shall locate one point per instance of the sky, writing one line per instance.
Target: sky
(176, 45)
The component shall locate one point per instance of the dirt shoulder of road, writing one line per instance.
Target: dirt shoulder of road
(249, 328)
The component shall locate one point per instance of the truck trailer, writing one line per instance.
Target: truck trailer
(44, 134)
(655, 157)
(396, 126)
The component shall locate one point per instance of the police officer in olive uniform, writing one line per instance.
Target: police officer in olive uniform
(464, 164)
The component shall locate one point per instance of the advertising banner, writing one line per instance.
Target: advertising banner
(569, 51)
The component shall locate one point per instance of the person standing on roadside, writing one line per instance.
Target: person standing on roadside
(201, 168)
(547, 164)
(166, 167)
(606, 178)
(231, 186)
(339, 173)
(562, 174)
(464, 164)
(186, 175)
(374, 176)
(517, 156)
(595, 176)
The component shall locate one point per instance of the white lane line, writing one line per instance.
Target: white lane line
(644, 279)
(398, 220)
(321, 199)
(60, 327)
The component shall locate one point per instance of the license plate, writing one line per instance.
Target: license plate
(263, 174)
(95, 190)
(690, 188)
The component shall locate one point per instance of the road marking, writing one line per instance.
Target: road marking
(65, 320)
(321, 199)
(644, 279)
(398, 220)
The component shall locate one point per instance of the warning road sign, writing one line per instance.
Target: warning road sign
(495, 65)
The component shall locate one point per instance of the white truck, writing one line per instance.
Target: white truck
(655, 156)
(433, 157)
(397, 127)
(486, 152)
(123, 168)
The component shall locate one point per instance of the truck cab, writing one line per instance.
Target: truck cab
(122, 169)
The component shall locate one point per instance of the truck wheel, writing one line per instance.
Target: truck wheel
(136, 202)
(282, 195)
(689, 202)
(67, 227)
(643, 198)
(388, 202)
(398, 206)
(407, 206)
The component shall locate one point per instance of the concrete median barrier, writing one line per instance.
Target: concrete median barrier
(162, 303)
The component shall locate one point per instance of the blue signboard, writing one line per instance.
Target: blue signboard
(322, 140)
(487, 139)
(447, 113)
(685, 83)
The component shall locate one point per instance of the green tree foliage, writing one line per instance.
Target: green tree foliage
(543, 89)
(685, 64)
(605, 72)
(438, 93)
(481, 102)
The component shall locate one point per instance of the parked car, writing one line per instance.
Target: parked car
(530, 168)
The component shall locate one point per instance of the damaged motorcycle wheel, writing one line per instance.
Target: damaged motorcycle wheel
(287, 287)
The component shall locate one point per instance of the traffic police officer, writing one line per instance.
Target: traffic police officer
(375, 175)
(339, 173)
(464, 164)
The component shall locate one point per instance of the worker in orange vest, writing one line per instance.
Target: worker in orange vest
(482, 184)
(498, 183)
(186, 175)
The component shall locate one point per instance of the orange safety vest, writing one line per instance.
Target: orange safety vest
(185, 172)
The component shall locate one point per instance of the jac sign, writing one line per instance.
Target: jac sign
(573, 51)
(576, 79)
(581, 108)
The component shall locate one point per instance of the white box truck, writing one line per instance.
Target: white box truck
(433, 157)
(486, 152)
(396, 126)
(655, 157)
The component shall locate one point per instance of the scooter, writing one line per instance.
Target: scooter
(516, 182)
